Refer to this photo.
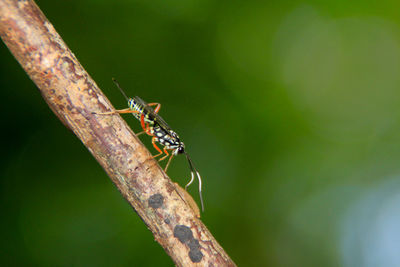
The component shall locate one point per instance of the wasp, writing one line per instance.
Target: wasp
(155, 126)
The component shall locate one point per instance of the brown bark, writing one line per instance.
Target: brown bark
(74, 96)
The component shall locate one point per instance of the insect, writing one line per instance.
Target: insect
(155, 126)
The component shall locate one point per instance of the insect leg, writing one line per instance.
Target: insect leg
(142, 132)
(157, 109)
(166, 154)
(121, 111)
(166, 166)
(148, 130)
(143, 124)
(153, 140)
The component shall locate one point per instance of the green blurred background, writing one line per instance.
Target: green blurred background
(290, 110)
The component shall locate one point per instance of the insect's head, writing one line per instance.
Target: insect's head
(180, 149)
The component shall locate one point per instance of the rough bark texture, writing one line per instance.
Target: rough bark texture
(73, 96)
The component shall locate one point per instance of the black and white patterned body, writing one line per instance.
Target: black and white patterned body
(137, 104)
(157, 126)
(168, 138)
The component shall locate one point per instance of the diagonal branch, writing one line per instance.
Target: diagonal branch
(74, 96)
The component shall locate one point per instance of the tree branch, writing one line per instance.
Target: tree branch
(74, 96)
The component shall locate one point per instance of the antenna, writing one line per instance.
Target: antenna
(193, 170)
(120, 89)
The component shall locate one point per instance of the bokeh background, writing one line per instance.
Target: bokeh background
(290, 110)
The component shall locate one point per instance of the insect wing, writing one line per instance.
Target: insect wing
(148, 111)
(146, 108)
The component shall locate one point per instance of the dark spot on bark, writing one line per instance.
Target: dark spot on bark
(185, 236)
(156, 201)
(194, 244)
(183, 233)
(167, 221)
(52, 91)
(59, 97)
(195, 255)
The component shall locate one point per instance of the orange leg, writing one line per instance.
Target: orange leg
(121, 111)
(164, 157)
(148, 130)
(166, 154)
(166, 166)
(143, 124)
(157, 109)
(153, 140)
(142, 132)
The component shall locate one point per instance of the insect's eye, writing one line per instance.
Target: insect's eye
(181, 150)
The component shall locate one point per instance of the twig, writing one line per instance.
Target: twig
(74, 96)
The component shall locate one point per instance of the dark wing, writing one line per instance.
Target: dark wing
(152, 115)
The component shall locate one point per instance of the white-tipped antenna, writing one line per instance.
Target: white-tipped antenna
(193, 170)
(120, 89)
